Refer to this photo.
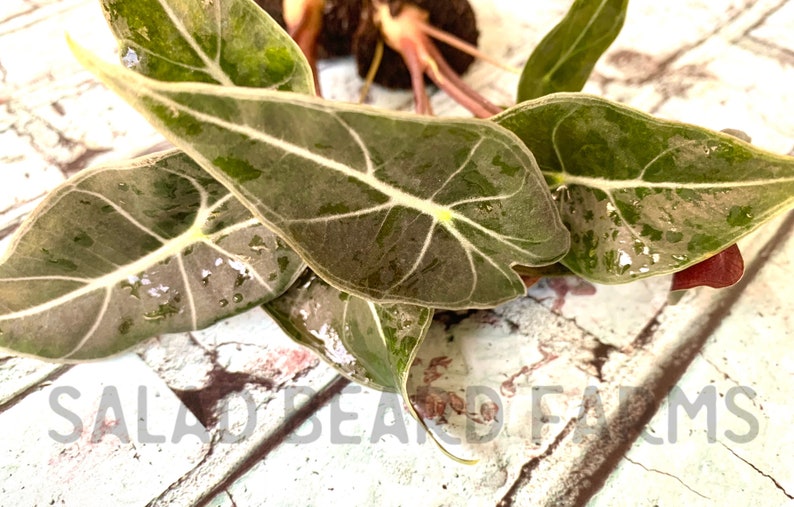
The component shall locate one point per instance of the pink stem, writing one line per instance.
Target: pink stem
(449, 81)
(416, 70)
(305, 33)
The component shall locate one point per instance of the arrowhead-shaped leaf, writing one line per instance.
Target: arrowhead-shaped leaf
(386, 206)
(228, 42)
(119, 254)
(643, 196)
(564, 59)
(370, 343)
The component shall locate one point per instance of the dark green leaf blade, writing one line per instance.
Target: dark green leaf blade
(564, 59)
(369, 343)
(386, 206)
(228, 42)
(643, 196)
(121, 253)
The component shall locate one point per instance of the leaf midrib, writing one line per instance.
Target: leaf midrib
(174, 247)
(581, 36)
(397, 197)
(562, 178)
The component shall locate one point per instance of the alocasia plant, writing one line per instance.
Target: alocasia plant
(395, 214)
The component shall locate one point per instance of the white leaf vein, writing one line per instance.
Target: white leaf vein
(213, 69)
(248, 267)
(398, 196)
(239, 226)
(171, 248)
(611, 185)
(419, 257)
(622, 218)
(97, 321)
(459, 169)
(124, 214)
(468, 247)
(339, 216)
(554, 142)
(188, 292)
(357, 139)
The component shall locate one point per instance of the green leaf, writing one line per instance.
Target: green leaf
(228, 42)
(369, 343)
(121, 253)
(386, 206)
(552, 270)
(643, 196)
(564, 59)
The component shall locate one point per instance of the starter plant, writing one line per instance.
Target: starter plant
(351, 224)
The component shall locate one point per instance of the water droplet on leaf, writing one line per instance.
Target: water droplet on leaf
(130, 58)
(241, 279)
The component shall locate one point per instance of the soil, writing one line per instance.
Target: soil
(349, 28)
(341, 18)
(453, 16)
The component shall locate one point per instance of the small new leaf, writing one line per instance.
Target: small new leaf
(121, 253)
(369, 343)
(643, 196)
(564, 59)
(390, 207)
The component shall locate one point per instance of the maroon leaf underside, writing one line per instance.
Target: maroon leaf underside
(722, 270)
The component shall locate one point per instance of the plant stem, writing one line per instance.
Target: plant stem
(448, 80)
(462, 45)
(373, 69)
(406, 32)
(304, 20)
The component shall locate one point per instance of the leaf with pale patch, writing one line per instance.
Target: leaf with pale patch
(124, 252)
(370, 343)
(386, 206)
(644, 196)
(367, 342)
(228, 42)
